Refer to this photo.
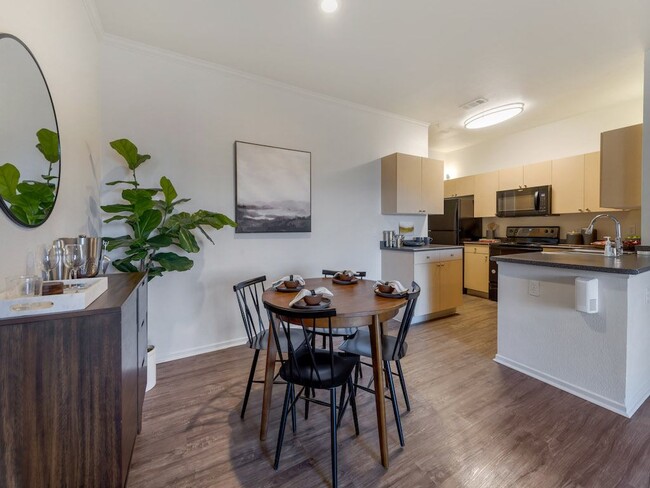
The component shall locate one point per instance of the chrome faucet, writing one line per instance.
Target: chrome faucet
(618, 243)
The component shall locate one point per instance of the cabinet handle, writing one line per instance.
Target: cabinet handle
(486, 259)
(587, 210)
(494, 271)
(580, 210)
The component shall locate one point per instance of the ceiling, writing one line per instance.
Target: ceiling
(421, 59)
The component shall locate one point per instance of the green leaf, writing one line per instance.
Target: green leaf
(37, 191)
(159, 241)
(148, 222)
(9, 177)
(113, 183)
(172, 261)
(136, 254)
(168, 190)
(141, 199)
(155, 271)
(212, 219)
(115, 242)
(180, 200)
(124, 265)
(20, 214)
(129, 152)
(116, 217)
(116, 208)
(48, 144)
(187, 241)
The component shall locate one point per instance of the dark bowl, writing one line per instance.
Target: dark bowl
(291, 284)
(344, 277)
(385, 288)
(313, 299)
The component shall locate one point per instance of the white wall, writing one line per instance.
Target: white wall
(63, 41)
(568, 137)
(187, 115)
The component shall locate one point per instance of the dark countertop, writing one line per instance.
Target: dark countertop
(427, 247)
(631, 264)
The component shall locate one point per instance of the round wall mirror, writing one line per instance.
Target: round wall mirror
(30, 153)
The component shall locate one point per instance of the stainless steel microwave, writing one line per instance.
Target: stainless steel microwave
(523, 202)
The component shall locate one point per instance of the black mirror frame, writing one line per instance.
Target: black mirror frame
(4, 207)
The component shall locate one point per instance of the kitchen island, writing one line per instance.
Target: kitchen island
(603, 357)
(437, 268)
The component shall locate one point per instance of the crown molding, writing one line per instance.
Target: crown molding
(138, 47)
(95, 20)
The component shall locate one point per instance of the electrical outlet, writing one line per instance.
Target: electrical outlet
(533, 288)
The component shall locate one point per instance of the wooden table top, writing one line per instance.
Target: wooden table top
(355, 304)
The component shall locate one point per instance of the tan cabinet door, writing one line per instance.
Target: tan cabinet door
(510, 178)
(537, 174)
(485, 194)
(592, 183)
(427, 275)
(465, 186)
(409, 183)
(432, 186)
(477, 271)
(568, 180)
(451, 188)
(451, 284)
(621, 167)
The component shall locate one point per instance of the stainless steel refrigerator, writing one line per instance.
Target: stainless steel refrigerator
(457, 224)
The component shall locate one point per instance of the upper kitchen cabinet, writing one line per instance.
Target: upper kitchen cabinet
(411, 185)
(620, 167)
(460, 187)
(536, 174)
(510, 178)
(568, 181)
(576, 184)
(485, 194)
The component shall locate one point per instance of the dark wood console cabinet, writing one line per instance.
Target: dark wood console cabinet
(71, 390)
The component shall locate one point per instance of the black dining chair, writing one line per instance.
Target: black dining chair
(393, 349)
(248, 298)
(310, 368)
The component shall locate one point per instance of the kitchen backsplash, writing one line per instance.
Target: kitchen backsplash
(630, 223)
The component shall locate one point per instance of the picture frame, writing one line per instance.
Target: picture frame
(272, 189)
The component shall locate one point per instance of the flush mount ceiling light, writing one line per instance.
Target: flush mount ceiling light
(329, 6)
(494, 116)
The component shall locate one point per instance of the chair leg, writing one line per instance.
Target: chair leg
(333, 437)
(283, 424)
(353, 405)
(403, 383)
(251, 375)
(307, 394)
(341, 403)
(393, 399)
(293, 408)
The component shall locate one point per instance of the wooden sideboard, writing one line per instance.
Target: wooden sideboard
(71, 390)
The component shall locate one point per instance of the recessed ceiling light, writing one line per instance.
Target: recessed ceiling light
(494, 116)
(329, 6)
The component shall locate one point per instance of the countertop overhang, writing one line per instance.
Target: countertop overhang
(427, 247)
(630, 264)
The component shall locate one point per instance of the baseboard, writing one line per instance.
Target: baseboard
(432, 316)
(477, 293)
(639, 397)
(195, 351)
(590, 396)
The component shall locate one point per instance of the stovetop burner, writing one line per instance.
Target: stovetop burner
(530, 236)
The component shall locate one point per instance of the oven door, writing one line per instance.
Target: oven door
(493, 290)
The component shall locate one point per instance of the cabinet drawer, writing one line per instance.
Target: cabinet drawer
(450, 254)
(423, 257)
(477, 249)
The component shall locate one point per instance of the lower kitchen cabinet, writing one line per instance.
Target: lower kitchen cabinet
(71, 390)
(477, 268)
(438, 272)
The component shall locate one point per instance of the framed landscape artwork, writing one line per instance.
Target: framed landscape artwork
(273, 189)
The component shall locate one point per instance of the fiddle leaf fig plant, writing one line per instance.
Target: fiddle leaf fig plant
(156, 225)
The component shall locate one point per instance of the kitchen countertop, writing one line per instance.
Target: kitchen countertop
(427, 247)
(630, 264)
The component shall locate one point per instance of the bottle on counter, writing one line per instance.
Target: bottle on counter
(609, 251)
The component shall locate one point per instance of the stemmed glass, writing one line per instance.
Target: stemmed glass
(48, 259)
(74, 259)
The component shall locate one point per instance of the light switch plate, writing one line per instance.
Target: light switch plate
(533, 288)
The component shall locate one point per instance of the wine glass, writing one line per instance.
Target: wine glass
(74, 259)
(47, 258)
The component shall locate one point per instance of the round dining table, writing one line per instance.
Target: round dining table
(356, 306)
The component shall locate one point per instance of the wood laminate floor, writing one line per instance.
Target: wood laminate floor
(474, 423)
